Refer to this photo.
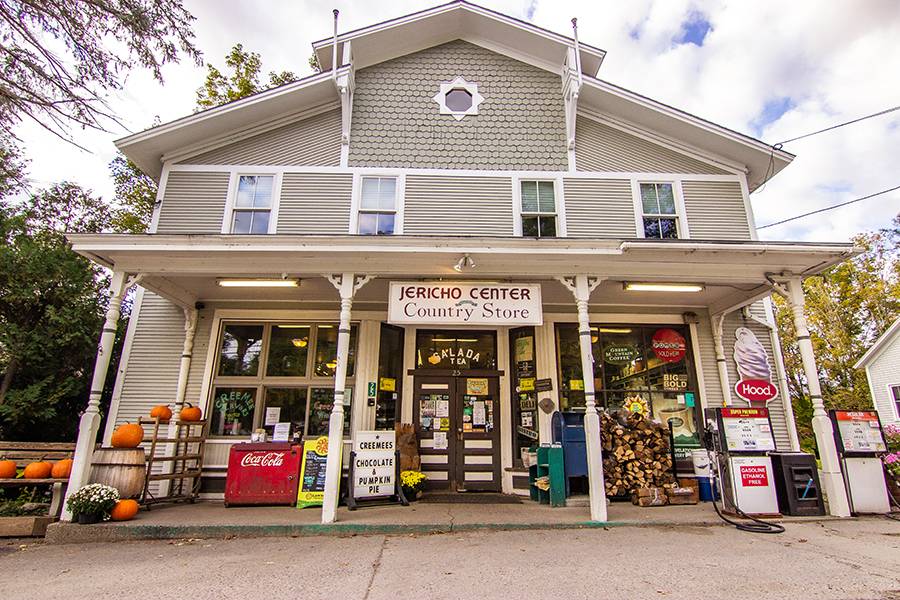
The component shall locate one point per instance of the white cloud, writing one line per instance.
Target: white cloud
(834, 60)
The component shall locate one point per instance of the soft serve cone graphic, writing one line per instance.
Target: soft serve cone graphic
(750, 356)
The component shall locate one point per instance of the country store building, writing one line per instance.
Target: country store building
(454, 209)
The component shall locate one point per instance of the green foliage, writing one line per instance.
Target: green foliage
(59, 59)
(847, 308)
(135, 195)
(243, 81)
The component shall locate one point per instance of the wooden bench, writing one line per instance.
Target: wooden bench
(28, 452)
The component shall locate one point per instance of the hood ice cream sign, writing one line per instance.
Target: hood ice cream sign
(752, 360)
(449, 303)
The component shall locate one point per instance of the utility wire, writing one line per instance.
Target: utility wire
(821, 210)
(878, 114)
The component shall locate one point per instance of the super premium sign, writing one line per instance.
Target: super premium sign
(464, 304)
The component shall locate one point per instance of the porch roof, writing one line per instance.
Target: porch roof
(184, 268)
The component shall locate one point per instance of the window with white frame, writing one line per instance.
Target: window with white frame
(252, 207)
(538, 209)
(895, 396)
(659, 211)
(377, 206)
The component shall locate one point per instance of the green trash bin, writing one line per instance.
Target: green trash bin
(549, 464)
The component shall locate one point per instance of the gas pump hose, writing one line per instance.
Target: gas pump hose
(756, 525)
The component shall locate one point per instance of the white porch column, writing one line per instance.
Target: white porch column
(716, 322)
(832, 480)
(90, 419)
(346, 284)
(581, 287)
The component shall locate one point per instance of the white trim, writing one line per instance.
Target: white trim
(356, 201)
(890, 399)
(625, 126)
(458, 83)
(880, 344)
(160, 196)
(559, 211)
(276, 203)
(748, 208)
(228, 215)
(698, 367)
(684, 232)
(517, 205)
(123, 365)
(559, 193)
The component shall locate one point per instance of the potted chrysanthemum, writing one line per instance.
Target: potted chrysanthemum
(92, 503)
(412, 482)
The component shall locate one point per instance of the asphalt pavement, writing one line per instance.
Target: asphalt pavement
(858, 559)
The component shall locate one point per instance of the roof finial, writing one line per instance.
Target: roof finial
(577, 48)
(334, 58)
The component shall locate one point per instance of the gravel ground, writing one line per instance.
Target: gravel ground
(857, 559)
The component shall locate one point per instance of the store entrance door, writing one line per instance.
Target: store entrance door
(457, 418)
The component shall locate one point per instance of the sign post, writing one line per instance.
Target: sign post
(375, 470)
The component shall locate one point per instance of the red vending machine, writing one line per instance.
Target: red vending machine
(263, 473)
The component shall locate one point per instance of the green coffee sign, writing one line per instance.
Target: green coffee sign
(620, 354)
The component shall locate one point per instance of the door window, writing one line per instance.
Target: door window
(524, 396)
(457, 350)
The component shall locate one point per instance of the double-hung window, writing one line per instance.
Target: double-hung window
(895, 396)
(659, 212)
(538, 209)
(252, 209)
(378, 206)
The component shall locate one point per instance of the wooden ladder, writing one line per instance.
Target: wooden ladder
(186, 461)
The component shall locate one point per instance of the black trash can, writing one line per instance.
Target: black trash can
(797, 484)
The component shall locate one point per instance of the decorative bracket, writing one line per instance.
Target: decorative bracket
(572, 284)
(571, 87)
(347, 284)
(345, 82)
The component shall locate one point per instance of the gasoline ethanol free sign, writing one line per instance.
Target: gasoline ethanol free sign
(374, 468)
(475, 303)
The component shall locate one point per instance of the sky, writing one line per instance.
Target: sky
(768, 68)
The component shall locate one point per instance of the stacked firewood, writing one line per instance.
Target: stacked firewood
(635, 453)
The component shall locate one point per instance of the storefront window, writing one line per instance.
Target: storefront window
(321, 401)
(241, 346)
(638, 368)
(326, 351)
(524, 395)
(390, 377)
(456, 350)
(295, 387)
(288, 351)
(233, 409)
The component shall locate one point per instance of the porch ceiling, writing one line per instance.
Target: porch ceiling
(185, 267)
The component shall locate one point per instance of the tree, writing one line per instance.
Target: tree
(51, 309)
(60, 59)
(219, 89)
(135, 195)
(847, 308)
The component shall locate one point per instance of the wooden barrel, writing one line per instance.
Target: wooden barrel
(121, 468)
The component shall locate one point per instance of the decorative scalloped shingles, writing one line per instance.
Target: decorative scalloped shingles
(396, 123)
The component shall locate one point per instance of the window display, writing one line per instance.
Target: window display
(638, 368)
(456, 350)
(524, 395)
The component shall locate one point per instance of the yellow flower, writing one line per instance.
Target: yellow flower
(411, 478)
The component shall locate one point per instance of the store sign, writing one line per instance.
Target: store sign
(374, 467)
(754, 476)
(444, 303)
(756, 390)
(669, 345)
(620, 354)
(675, 382)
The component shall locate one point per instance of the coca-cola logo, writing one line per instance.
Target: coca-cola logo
(262, 459)
(756, 390)
(669, 345)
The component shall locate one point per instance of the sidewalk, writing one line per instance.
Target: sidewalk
(213, 520)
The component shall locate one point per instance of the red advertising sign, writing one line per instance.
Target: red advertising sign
(745, 413)
(669, 345)
(756, 390)
(856, 415)
(754, 476)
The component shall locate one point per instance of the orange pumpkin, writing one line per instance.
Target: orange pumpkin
(7, 469)
(38, 470)
(191, 413)
(162, 411)
(124, 510)
(127, 435)
(62, 469)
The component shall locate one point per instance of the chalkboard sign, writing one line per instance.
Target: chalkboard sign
(312, 473)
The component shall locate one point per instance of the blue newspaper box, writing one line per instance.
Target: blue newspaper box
(567, 429)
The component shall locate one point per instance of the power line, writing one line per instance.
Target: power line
(878, 114)
(815, 212)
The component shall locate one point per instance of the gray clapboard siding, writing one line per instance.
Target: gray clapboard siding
(315, 203)
(151, 373)
(312, 141)
(599, 147)
(715, 210)
(194, 202)
(713, 389)
(441, 205)
(884, 371)
(599, 208)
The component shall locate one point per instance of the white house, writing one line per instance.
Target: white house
(882, 365)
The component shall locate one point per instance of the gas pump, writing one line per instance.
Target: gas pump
(860, 443)
(741, 438)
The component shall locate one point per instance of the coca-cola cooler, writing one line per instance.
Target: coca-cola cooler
(264, 473)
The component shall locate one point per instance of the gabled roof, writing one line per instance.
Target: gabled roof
(458, 20)
(880, 344)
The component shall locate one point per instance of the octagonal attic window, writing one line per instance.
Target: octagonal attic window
(458, 98)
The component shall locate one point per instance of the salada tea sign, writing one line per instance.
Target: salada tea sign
(449, 303)
(374, 467)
